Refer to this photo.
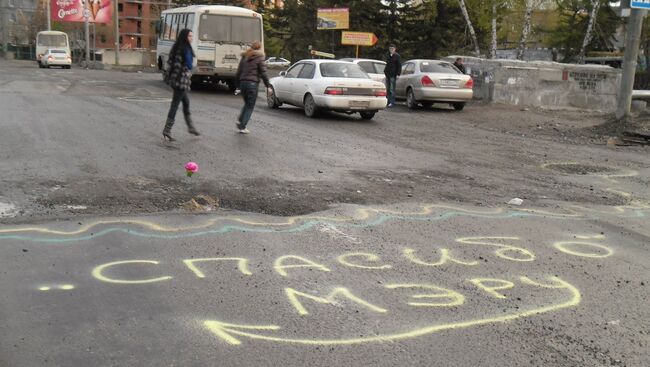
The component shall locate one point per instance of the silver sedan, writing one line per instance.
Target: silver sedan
(425, 82)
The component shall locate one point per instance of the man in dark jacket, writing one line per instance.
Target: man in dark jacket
(392, 71)
(251, 69)
(459, 65)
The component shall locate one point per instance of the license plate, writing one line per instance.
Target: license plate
(359, 103)
(449, 83)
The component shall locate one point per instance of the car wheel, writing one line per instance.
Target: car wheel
(272, 100)
(427, 104)
(458, 106)
(40, 66)
(367, 115)
(410, 99)
(310, 106)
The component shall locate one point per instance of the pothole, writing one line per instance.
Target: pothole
(579, 168)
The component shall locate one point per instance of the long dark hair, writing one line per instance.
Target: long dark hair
(182, 43)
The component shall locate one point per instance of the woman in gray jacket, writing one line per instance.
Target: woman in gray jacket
(251, 69)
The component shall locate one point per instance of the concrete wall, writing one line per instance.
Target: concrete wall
(544, 84)
(130, 57)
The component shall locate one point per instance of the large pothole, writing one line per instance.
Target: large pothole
(580, 169)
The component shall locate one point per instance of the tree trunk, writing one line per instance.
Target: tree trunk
(463, 8)
(525, 30)
(493, 44)
(593, 16)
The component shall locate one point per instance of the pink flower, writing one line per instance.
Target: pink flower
(191, 168)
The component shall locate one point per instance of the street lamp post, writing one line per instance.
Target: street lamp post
(86, 14)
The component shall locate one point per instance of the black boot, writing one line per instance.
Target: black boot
(190, 125)
(167, 131)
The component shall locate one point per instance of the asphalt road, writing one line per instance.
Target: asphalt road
(319, 242)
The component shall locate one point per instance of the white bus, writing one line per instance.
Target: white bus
(221, 33)
(51, 39)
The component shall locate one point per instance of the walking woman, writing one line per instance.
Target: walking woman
(251, 69)
(179, 76)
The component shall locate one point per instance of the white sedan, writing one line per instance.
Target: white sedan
(332, 85)
(374, 68)
(54, 57)
(427, 82)
(277, 62)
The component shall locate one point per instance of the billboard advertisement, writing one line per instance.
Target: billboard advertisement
(333, 18)
(98, 11)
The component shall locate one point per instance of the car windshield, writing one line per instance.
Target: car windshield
(438, 67)
(341, 70)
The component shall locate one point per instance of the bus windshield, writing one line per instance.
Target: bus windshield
(52, 40)
(229, 29)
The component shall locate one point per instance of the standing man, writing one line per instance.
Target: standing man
(459, 65)
(392, 71)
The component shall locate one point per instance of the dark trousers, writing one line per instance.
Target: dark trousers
(249, 92)
(180, 95)
(391, 82)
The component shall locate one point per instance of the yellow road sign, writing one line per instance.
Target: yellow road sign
(358, 38)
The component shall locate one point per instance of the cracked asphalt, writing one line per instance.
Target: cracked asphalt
(327, 241)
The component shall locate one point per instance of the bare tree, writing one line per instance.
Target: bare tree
(472, 33)
(593, 16)
(525, 31)
(493, 43)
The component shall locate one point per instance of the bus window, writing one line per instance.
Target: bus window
(174, 31)
(190, 21)
(214, 28)
(52, 40)
(168, 26)
(245, 30)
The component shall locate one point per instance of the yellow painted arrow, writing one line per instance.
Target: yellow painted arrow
(225, 331)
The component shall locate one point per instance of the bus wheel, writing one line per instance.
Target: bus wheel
(231, 86)
(160, 63)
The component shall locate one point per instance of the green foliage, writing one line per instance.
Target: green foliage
(429, 29)
(574, 17)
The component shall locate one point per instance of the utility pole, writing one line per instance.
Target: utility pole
(632, 42)
(86, 14)
(116, 19)
(49, 16)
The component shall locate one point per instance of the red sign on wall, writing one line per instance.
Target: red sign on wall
(98, 11)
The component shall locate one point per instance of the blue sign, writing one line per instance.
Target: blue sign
(640, 4)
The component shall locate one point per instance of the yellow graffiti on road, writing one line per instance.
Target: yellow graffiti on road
(242, 264)
(593, 250)
(98, 273)
(445, 257)
(232, 333)
(503, 249)
(330, 299)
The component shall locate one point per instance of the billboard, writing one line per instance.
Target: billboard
(333, 18)
(98, 11)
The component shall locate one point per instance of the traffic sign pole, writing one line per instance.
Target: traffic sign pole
(86, 14)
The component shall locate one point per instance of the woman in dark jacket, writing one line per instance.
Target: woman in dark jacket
(251, 69)
(179, 76)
